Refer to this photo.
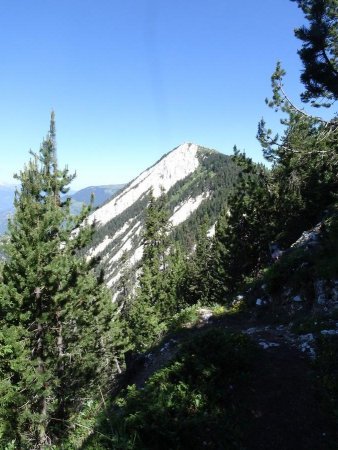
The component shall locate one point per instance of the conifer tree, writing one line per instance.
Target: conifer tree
(144, 314)
(58, 330)
(176, 279)
(245, 229)
(319, 52)
(158, 296)
(124, 286)
(198, 283)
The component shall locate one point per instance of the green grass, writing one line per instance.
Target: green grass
(187, 317)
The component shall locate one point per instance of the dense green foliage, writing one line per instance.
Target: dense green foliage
(243, 232)
(319, 52)
(57, 322)
(162, 269)
(197, 282)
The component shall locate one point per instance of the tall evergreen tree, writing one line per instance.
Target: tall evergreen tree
(198, 282)
(245, 229)
(158, 296)
(305, 161)
(57, 340)
(319, 52)
(145, 311)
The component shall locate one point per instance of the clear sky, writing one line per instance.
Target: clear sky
(131, 79)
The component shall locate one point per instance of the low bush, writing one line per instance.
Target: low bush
(197, 401)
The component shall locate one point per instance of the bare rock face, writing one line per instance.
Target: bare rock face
(174, 167)
(326, 294)
(310, 238)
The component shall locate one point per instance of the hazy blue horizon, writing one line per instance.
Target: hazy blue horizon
(129, 81)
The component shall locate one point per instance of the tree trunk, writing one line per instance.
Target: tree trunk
(42, 437)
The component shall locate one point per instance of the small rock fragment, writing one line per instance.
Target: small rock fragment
(267, 345)
(329, 332)
(306, 337)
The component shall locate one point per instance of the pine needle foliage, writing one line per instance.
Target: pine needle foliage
(319, 52)
(57, 338)
(161, 273)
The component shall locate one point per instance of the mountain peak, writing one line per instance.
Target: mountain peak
(186, 147)
(196, 180)
(187, 144)
(171, 168)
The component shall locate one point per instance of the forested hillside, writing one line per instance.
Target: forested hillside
(198, 307)
(195, 200)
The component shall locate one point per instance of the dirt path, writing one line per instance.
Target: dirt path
(289, 408)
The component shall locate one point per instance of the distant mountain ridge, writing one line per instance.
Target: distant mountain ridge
(7, 192)
(6, 196)
(79, 198)
(101, 194)
(197, 182)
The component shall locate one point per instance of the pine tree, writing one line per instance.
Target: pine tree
(159, 294)
(155, 259)
(245, 229)
(305, 162)
(176, 280)
(124, 284)
(319, 52)
(56, 318)
(144, 315)
(198, 282)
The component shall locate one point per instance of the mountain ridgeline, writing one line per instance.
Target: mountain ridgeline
(197, 182)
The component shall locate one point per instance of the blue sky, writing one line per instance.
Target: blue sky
(130, 80)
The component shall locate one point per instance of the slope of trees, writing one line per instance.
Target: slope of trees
(278, 205)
